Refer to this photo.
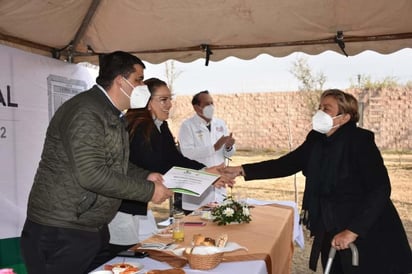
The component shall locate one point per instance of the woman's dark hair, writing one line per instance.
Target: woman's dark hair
(153, 84)
(114, 64)
(141, 117)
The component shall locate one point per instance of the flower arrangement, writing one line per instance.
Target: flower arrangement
(231, 211)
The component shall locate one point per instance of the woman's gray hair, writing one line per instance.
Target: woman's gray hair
(347, 103)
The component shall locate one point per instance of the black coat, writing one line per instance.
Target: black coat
(347, 187)
(157, 156)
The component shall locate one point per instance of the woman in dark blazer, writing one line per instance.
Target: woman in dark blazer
(152, 147)
(347, 191)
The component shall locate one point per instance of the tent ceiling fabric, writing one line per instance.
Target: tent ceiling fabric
(158, 30)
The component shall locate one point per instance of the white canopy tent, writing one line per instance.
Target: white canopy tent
(156, 31)
(185, 30)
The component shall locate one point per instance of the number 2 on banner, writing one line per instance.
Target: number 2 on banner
(3, 133)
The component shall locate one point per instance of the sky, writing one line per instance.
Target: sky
(268, 74)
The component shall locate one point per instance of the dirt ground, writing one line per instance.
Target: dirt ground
(400, 171)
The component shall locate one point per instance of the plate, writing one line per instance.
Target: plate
(120, 268)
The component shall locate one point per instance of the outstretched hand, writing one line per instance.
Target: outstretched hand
(223, 180)
(233, 171)
(216, 169)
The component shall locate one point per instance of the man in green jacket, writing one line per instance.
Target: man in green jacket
(84, 173)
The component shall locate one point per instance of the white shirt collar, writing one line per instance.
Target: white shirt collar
(158, 123)
(203, 121)
(122, 113)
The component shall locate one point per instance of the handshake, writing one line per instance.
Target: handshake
(226, 179)
(233, 171)
(227, 174)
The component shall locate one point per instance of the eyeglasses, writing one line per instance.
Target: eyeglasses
(162, 99)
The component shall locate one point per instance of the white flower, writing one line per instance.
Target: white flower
(229, 212)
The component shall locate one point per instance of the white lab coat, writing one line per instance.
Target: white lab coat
(197, 142)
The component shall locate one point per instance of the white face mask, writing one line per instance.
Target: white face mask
(208, 111)
(323, 122)
(139, 97)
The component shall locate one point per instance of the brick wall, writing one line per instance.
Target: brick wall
(279, 120)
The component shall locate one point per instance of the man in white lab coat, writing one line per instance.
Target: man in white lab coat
(206, 139)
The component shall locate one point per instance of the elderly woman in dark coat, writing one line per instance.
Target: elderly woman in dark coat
(347, 192)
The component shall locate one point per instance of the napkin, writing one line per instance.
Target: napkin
(230, 246)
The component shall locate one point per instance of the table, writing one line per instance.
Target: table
(298, 236)
(243, 267)
(268, 238)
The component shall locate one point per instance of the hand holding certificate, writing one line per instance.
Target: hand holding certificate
(188, 181)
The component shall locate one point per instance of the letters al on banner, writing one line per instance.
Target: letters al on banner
(32, 87)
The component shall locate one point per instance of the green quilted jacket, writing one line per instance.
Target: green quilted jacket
(84, 171)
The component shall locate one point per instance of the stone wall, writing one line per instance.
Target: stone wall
(279, 121)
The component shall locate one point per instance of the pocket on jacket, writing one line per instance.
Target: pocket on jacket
(87, 201)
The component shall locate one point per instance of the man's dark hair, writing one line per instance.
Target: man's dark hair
(195, 100)
(114, 64)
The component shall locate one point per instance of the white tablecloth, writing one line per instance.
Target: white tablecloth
(243, 267)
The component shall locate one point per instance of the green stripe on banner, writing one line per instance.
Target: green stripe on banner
(10, 255)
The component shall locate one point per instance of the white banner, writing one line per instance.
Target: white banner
(32, 87)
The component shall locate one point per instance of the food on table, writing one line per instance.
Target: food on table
(199, 239)
(122, 268)
(209, 242)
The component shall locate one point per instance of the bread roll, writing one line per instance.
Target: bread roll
(198, 239)
(209, 242)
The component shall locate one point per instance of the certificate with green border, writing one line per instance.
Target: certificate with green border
(188, 181)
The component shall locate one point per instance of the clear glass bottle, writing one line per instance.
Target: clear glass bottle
(178, 227)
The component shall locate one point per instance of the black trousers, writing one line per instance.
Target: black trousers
(50, 250)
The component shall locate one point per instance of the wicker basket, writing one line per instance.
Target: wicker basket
(204, 262)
